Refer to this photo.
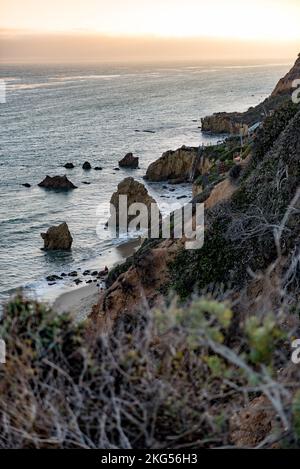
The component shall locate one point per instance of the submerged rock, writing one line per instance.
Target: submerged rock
(53, 278)
(129, 161)
(57, 182)
(73, 274)
(57, 238)
(98, 168)
(69, 166)
(26, 184)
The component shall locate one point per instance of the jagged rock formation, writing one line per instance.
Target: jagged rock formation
(177, 166)
(231, 122)
(129, 161)
(285, 84)
(136, 192)
(57, 238)
(57, 182)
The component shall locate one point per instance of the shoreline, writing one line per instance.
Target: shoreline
(79, 300)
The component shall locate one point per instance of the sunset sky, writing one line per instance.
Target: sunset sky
(103, 28)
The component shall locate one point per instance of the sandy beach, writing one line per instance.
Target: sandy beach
(79, 301)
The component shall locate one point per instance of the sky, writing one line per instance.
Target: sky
(102, 29)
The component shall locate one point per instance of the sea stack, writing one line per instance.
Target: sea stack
(136, 192)
(57, 238)
(129, 161)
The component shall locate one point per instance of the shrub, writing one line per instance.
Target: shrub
(169, 379)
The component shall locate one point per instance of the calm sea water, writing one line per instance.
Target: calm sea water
(59, 114)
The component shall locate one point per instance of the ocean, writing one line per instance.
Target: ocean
(56, 114)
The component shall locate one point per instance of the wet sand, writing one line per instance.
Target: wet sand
(79, 302)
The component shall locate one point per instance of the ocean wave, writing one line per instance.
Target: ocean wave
(84, 77)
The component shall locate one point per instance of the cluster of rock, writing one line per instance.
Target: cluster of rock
(89, 276)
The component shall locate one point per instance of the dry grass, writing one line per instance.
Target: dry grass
(171, 379)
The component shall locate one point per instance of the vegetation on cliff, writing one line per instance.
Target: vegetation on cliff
(195, 377)
(241, 233)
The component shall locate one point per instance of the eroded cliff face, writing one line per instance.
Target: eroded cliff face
(146, 276)
(285, 84)
(239, 235)
(136, 289)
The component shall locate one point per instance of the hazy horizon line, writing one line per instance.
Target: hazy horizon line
(82, 46)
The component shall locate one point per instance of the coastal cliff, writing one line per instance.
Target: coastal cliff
(231, 219)
(184, 348)
(285, 84)
(231, 123)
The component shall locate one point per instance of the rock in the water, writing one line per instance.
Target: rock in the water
(73, 274)
(98, 168)
(86, 165)
(177, 165)
(129, 161)
(57, 182)
(222, 123)
(53, 278)
(57, 238)
(69, 166)
(26, 185)
(136, 193)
